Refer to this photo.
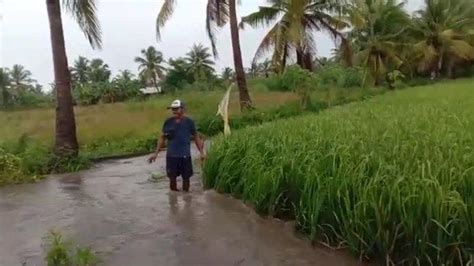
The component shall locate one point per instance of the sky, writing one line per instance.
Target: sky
(127, 26)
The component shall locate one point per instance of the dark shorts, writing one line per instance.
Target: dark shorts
(179, 166)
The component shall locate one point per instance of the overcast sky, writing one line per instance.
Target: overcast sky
(128, 27)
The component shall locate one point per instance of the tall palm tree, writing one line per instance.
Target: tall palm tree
(444, 29)
(151, 66)
(5, 82)
(294, 23)
(98, 71)
(79, 70)
(378, 32)
(218, 13)
(200, 62)
(227, 74)
(84, 13)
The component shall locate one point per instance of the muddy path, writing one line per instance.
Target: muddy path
(129, 220)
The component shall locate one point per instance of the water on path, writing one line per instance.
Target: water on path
(116, 210)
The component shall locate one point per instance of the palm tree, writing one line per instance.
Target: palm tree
(227, 74)
(199, 61)
(444, 31)
(5, 82)
(79, 70)
(294, 23)
(84, 13)
(125, 75)
(150, 66)
(378, 35)
(98, 71)
(218, 13)
(21, 78)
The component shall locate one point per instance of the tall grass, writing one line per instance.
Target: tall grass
(390, 179)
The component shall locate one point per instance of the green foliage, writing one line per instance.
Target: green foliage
(389, 179)
(62, 253)
(334, 75)
(395, 79)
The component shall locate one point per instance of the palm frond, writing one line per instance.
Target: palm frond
(164, 15)
(84, 12)
(217, 15)
(265, 16)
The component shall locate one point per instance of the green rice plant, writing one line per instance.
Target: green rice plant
(391, 179)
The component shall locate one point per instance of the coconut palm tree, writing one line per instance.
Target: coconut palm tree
(294, 23)
(79, 70)
(151, 66)
(227, 74)
(218, 13)
(20, 76)
(5, 82)
(84, 13)
(378, 35)
(199, 61)
(444, 29)
(98, 71)
(125, 75)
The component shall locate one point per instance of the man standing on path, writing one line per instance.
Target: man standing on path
(178, 131)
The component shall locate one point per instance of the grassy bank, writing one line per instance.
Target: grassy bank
(390, 179)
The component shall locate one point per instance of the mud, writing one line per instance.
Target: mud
(131, 220)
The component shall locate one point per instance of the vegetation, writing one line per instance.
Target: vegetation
(84, 12)
(293, 32)
(218, 13)
(390, 179)
(150, 66)
(63, 253)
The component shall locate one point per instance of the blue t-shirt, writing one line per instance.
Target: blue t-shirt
(179, 136)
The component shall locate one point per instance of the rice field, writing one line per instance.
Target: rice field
(390, 179)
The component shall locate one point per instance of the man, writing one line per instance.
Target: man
(178, 131)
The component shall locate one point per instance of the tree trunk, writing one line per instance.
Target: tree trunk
(66, 141)
(300, 58)
(245, 101)
(308, 61)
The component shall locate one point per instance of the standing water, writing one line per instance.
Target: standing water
(116, 210)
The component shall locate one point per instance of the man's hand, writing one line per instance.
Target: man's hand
(203, 157)
(152, 158)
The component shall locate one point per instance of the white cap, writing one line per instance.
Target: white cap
(176, 104)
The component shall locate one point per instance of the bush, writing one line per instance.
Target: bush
(390, 179)
(339, 76)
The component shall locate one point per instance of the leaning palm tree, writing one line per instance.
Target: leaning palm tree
(200, 63)
(151, 66)
(84, 13)
(218, 13)
(79, 70)
(444, 29)
(379, 27)
(5, 82)
(294, 23)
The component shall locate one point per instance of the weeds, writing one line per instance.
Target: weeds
(62, 253)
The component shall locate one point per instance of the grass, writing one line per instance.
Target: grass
(62, 253)
(390, 179)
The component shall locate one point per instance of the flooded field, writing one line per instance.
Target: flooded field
(129, 220)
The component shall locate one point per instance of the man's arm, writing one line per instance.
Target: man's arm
(199, 143)
(160, 146)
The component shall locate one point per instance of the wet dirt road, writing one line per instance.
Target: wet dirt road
(116, 210)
